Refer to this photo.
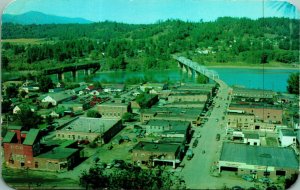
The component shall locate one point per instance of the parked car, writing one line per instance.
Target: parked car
(195, 143)
(247, 178)
(218, 137)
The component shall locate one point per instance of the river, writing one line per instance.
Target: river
(269, 79)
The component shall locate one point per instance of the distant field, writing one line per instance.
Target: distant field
(25, 40)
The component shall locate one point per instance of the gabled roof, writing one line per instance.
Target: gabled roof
(8, 137)
(31, 137)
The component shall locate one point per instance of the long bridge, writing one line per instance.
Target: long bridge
(195, 69)
(88, 68)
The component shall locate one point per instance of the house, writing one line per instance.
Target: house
(97, 130)
(113, 110)
(287, 137)
(56, 98)
(258, 161)
(252, 139)
(151, 153)
(18, 108)
(114, 88)
(154, 88)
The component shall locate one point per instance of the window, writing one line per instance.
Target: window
(22, 164)
(266, 173)
(36, 164)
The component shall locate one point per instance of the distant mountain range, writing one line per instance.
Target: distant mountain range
(41, 18)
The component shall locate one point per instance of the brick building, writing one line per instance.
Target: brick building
(113, 110)
(189, 97)
(92, 129)
(265, 113)
(151, 153)
(20, 147)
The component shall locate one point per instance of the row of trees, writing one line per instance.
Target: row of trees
(138, 47)
(130, 177)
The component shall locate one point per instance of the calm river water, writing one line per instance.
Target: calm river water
(270, 79)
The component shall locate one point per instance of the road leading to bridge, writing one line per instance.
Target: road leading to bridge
(198, 171)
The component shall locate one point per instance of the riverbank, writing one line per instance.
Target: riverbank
(251, 67)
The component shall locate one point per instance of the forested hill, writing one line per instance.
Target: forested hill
(137, 47)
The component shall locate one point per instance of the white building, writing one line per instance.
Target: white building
(287, 137)
(252, 139)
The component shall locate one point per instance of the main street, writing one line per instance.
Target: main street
(197, 172)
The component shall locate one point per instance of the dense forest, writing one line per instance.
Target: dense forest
(141, 47)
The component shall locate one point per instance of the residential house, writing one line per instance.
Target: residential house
(56, 98)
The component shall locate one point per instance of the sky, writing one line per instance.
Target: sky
(147, 11)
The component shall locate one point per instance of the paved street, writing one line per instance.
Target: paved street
(197, 171)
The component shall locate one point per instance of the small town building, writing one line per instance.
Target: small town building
(255, 95)
(240, 121)
(113, 110)
(258, 161)
(154, 88)
(143, 101)
(188, 97)
(18, 108)
(57, 159)
(263, 112)
(151, 153)
(168, 128)
(252, 139)
(56, 98)
(191, 115)
(287, 137)
(20, 147)
(97, 130)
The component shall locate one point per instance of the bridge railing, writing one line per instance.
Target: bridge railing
(197, 67)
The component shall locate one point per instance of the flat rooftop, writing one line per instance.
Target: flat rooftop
(258, 155)
(156, 147)
(248, 105)
(93, 125)
(175, 125)
(58, 153)
(288, 132)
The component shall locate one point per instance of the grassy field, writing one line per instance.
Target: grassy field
(25, 41)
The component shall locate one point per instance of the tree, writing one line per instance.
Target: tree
(5, 62)
(28, 118)
(12, 91)
(45, 83)
(293, 83)
(49, 120)
(93, 113)
(127, 117)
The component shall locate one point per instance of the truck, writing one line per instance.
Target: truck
(189, 154)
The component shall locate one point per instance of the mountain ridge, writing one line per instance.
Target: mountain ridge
(34, 17)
